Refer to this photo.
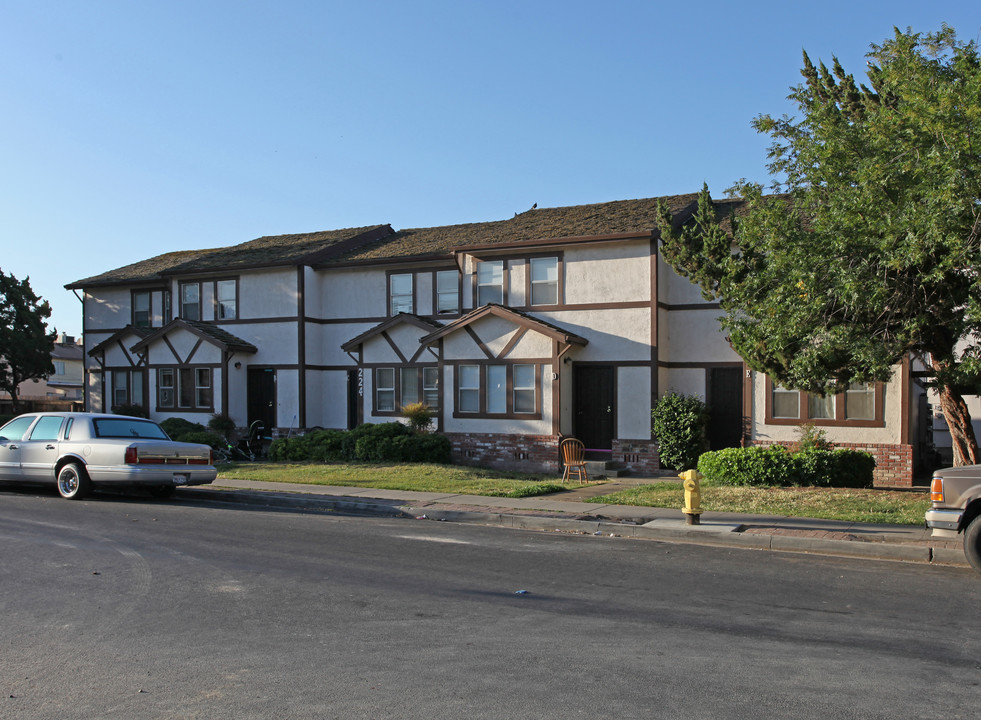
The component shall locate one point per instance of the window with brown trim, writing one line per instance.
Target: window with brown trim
(141, 309)
(401, 293)
(498, 390)
(185, 388)
(861, 405)
(490, 282)
(447, 292)
(226, 299)
(543, 281)
(190, 301)
(397, 387)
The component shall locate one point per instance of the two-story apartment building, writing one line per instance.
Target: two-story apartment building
(556, 322)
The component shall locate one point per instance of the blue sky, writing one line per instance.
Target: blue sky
(135, 128)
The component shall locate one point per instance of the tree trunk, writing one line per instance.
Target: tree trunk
(958, 419)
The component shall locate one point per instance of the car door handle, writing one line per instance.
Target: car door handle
(49, 447)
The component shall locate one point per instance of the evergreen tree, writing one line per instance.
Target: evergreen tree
(25, 344)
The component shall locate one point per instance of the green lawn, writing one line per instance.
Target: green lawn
(410, 476)
(875, 506)
(856, 505)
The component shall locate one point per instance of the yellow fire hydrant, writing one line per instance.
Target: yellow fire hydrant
(693, 496)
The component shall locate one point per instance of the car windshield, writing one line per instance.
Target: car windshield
(128, 428)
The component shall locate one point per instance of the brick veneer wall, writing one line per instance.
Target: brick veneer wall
(540, 453)
(893, 463)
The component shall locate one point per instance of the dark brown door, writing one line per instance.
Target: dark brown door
(262, 398)
(595, 406)
(725, 404)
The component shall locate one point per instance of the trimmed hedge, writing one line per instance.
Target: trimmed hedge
(370, 442)
(181, 430)
(775, 466)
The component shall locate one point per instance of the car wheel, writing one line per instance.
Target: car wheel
(162, 492)
(972, 543)
(73, 483)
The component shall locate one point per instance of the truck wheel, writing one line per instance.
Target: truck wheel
(972, 543)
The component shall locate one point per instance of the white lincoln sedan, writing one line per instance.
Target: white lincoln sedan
(77, 451)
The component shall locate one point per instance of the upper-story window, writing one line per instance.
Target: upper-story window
(226, 299)
(59, 366)
(544, 280)
(167, 307)
(191, 301)
(490, 282)
(400, 293)
(447, 292)
(141, 308)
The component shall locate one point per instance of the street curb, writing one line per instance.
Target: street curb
(696, 534)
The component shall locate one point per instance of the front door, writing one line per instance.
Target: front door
(261, 398)
(725, 406)
(595, 407)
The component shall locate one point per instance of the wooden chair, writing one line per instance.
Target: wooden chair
(573, 459)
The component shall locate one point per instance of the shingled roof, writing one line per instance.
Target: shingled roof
(268, 251)
(576, 221)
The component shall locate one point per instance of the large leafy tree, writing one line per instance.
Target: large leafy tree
(871, 249)
(25, 344)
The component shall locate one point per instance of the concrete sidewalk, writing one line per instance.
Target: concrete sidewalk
(565, 512)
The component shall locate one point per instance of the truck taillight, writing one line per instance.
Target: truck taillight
(937, 490)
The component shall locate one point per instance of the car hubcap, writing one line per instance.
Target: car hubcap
(68, 482)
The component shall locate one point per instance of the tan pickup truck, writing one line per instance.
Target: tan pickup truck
(956, 496)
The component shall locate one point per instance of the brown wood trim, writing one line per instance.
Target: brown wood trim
(689, 306)
(482, 413)
(194, 351)
(301, 345)
(391, 343)
(839, 419)
(512, 342)
(697, 365)
(559, 279)
(655, 272)
(571, 240)
(480, 343)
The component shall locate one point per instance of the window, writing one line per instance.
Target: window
(226, 299)
(447, 292)
(141, 308)
(860, 401)
(497, 389)
(786, 403)
(120, 388)
(494, 390)
(191, 301)
(544, 281)
(469, 378)
(861, 405)
(409, 386)
(59, 366)
(165, 388)
(15, 429)
(47, 428)
(385, 390)
(202, 387)
(820, 408)
(430, 386)
(400, 293)
(524, 389)
(167, 307)
(490, 282)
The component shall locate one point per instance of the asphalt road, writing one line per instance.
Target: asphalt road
(116, 608)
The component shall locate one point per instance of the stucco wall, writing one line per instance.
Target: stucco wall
(608, 273)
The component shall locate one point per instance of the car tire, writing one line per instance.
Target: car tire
(162, 492)
(972, 543)
(73, 482)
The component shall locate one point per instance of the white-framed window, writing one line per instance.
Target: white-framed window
(860, 401)
(490, 282)
(544, 281)
(165, 387)
(385, 389)
(447, 292)
(786, 402)
(469, 389)
(226, 299)
(141, 308)
(191, 301)
(430, 386)
(524, 389)
(59, 367)
(400, 293)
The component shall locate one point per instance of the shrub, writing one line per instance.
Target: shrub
(774, 466)
(810, 437)
(679, 424)
(205, 437)
(178, 427)
(222, 424)
(380, 442)
(131, 411)
(770, 465)
(419, 415)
